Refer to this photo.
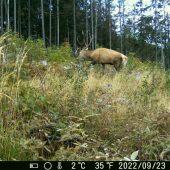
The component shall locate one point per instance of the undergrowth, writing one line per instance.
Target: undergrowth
(53, 113)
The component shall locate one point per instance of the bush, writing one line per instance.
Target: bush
(35, 49)
(63, 54)
(13, 42)
(133, 62)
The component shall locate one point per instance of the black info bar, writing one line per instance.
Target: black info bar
(83, 165)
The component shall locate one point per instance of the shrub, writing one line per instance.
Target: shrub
(35, 49)
(133, 62)
(63, 54)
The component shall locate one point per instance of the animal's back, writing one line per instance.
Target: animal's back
(105, 55)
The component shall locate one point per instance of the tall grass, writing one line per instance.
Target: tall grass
(79, 114)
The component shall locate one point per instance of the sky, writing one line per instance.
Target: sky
(129, 7)
(129, 4)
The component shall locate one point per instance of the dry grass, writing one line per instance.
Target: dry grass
(94, 116)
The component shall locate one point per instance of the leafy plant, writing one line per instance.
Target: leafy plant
(133, 62)
(35, 47)
(167, 82)
(133, 156)
(63, 54)
(145, 92)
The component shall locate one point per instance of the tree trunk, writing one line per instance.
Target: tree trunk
(156, 30)
(168, 37)
(50, 23)
(141, 9)
(109, 26)
(15, 16)
(74, 22)
(134, 19)
(58, 23)
(120, 27)
(8, 15)
(43, 30)
(123, 26)
(100, 22)
(162, 53)
(19, 18)
(106, 8)
(95, 25)
(68, 35)
(29, 20)
(86, 23)
(165, 37)
(2, 20)
(92, 31)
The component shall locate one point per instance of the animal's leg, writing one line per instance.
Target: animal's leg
(103, 66)
(93, 63)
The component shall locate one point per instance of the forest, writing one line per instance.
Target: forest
(54, 107)
(142, 29)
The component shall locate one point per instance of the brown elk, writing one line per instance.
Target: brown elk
(103, 56)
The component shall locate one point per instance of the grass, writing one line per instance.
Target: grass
(78, 114)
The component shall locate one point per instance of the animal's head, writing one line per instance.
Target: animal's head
(125, 60)
(81, 55)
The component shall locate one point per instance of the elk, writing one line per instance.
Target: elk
(103, 56)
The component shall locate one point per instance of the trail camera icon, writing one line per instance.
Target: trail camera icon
(33, 165)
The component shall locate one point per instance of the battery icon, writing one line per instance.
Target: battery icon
(33, 165)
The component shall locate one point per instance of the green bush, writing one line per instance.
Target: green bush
(62, 54)
(13, 42)
(133, 62)
(35, 48)
(167, 82)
